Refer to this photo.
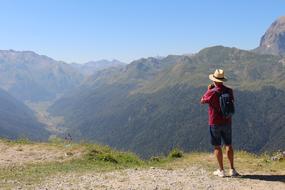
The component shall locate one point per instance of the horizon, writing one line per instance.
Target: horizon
(103, 59)
(79, 32)
(31, 51)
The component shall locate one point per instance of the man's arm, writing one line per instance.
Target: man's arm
(207, 96)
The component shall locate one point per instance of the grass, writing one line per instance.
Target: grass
(94, 158)
(261, 163)
(100, 158)
(244, 162)
(20, 141)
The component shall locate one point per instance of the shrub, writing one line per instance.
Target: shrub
(155, 159)
(107, 158)
(102, 156)
(175, 153)
(55, 140)
(23, 141)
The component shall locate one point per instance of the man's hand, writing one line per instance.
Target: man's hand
(202, 101)
(210, 86)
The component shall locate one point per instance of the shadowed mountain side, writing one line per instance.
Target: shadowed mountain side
(151, 124)
(18, 121)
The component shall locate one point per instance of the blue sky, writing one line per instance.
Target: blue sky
(83, 30)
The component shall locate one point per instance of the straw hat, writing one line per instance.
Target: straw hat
(218, 76)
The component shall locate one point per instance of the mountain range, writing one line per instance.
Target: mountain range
(91, 67)
(32, 77)
(29, 77)
(152, 104)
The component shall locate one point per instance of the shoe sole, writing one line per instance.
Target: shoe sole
(220, 176)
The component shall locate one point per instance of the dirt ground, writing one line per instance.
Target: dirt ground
(18, 154)
(154, 178)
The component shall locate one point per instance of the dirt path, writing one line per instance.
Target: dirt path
(154, 178)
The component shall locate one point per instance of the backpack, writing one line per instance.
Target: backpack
(226, 104)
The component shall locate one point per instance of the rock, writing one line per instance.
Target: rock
(279, 156)
(68, 154)
(273, 41)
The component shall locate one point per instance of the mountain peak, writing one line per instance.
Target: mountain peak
(17, 52)
(281, 19)
(273, 41)
(15, 56)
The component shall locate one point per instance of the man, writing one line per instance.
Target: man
(220, 126)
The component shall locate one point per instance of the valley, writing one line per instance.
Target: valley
(53, 124)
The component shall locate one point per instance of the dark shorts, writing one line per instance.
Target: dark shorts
(219, 132)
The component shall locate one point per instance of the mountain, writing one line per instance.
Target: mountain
(18, 121)
(152, 105)
(29, 76)
(273, 41)
(91, 67)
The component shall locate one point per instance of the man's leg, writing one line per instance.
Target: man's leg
(215, 132)
(219, 155)
(230, 155)
(227, 137)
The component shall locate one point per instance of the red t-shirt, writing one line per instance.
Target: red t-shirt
(211, 97)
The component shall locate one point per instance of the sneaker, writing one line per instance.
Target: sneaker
(233, 173)
(220, 173)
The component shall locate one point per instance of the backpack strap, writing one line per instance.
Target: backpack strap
(218, 110)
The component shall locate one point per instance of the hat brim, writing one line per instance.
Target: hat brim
(212, 78)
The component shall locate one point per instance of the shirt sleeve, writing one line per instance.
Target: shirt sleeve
(206, 98)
